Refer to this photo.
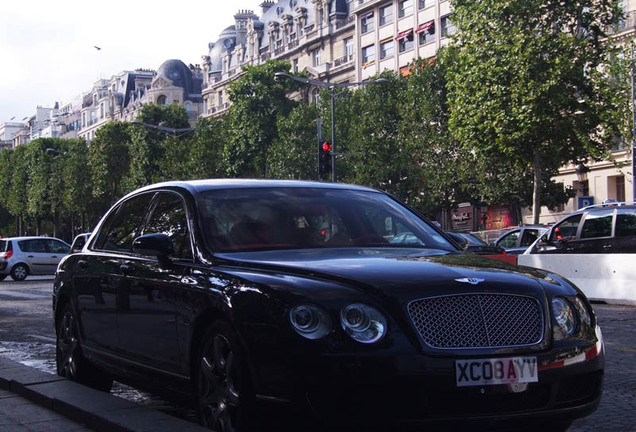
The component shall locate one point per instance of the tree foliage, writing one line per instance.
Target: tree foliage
(258, 100)
(526, 83)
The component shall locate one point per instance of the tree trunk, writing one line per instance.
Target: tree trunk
(536, 193)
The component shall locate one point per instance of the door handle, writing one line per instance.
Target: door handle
(126, 269)
(83, 264)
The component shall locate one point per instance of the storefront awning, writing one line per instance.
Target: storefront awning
(427, 26)
(404, 34)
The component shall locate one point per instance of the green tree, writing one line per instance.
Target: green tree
(294, 154)
(258, 99)
(527, 84)
(439, 169)
(109, 160)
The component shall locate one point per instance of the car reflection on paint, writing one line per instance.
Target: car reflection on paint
(255, 297)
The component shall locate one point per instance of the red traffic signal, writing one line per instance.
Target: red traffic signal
(326, 146)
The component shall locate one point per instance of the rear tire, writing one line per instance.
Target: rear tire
(69, 360)
(19, 272)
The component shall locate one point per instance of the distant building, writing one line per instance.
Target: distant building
(314, 36)
(7, 131)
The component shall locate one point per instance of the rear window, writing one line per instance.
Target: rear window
(5, 245)
(626, 223)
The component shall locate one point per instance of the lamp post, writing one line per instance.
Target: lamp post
(633, 131)
(332, 89)
(176, 132)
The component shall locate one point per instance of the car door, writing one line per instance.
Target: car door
(147, 310)
(562, 238)
(596, 232)
(57, 250)
(101, 272)
(625, 231)
(36, 256)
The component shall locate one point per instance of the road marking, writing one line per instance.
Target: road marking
(23, 295)
(43, 338)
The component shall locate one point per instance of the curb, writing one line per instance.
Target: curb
(96, 410)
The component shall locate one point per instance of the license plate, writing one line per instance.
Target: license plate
(510, 370)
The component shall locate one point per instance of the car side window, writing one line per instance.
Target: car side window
(124, 225)
(34, 246)
(566, 229)
(169, 217)
(626, 223)
(509, 240)
(529, 236)
(57, 246)
(598, 224)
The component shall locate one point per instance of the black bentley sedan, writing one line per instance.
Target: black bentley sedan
(259, 297)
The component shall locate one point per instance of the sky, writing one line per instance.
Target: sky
(48, 54)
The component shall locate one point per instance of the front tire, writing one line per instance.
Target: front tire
(69, 360)
(223, 389)
(19, 272)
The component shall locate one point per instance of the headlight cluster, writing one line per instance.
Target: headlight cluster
(361, 322)
(570, 315)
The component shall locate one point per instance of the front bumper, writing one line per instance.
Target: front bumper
(410, 391)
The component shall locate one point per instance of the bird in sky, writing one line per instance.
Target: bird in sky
(96, 47)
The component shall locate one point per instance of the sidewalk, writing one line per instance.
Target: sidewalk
(31, 400)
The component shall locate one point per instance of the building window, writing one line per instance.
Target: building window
(101, 111)
(386, 49)
(220, 99)
(448, 28)
(426, 32)
(348, 48)
(368, 55)
(367, 23)
(423, 4)
(295, 65)
(162, 100)
(405, 40)
(405, 7)
(386, 15)
(315, 55)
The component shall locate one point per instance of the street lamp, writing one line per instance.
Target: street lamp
(174, 131)
(332, 87)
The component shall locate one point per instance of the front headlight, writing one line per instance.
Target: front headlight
(583, 311)
(363, 323)
(310, 321)
(565, 317)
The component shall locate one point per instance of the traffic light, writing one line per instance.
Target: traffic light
(324, 159)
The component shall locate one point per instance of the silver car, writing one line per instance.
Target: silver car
(23, 256)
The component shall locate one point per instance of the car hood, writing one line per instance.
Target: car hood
(403, 271)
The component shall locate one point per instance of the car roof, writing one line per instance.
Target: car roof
(32, 238)
(605, 206)
(197, 186)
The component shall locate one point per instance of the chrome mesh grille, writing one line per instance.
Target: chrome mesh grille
(478, 321)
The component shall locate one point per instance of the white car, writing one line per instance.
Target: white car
(23, 256)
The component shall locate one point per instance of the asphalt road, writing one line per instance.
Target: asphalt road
(27, 336)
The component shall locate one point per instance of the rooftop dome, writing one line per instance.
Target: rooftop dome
(176, 72)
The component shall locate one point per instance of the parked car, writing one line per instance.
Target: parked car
(601, 228)
(517, 240)
(79, 241)
(473, 244)
(24, 256)
(252, 294)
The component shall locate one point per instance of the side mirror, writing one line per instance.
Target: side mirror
(159, 245)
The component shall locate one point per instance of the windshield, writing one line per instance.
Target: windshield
(286, 218)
